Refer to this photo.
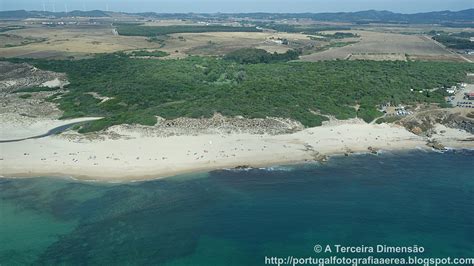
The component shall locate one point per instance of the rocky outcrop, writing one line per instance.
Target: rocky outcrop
(422, 123)
(461, 123)
(435, 145)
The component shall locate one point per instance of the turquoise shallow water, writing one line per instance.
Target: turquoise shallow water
(239, 217)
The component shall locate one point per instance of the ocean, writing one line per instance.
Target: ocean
(246, 217)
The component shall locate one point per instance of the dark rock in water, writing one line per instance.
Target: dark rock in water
(242, 167)
(319, 157)
(348, 152)
(372, 150)
(436, 145)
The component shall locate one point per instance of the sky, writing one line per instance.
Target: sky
(229, 6)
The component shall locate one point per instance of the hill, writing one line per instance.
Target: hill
(22, 14)
(436, 17)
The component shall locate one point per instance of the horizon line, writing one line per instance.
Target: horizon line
(252, 12)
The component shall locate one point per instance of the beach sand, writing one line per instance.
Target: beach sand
(133, 156)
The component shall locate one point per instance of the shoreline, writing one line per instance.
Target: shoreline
(131, 153)
(95, 179)
(132, 156)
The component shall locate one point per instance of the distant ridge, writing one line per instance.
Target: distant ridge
(368, 16)
(23, 14)
(373, 16)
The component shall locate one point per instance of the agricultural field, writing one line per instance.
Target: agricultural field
(386, 46)
(182, 38)
(72, 40)
(220, 43)
(83, 41)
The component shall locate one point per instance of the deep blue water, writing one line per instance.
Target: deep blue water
(239, 217)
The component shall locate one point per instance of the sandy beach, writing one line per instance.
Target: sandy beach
(134, 156)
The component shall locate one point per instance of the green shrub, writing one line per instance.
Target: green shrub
(26, 96)
(141, 89)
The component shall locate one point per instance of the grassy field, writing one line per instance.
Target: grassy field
(220, 43)
(78, 41)
(10, 40)
(141, 89)
(384, 45)
(82, 42)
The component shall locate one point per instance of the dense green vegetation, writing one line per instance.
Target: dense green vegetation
(255, 56)
(388, 119)
(155, 53)
(150, 31)
(200, 87)
(455, 40)
(340, 35)
(306, 29)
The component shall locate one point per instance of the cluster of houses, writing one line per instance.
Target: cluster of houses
(50, 23)
(62, 22)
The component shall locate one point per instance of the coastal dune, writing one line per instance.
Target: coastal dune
(134, 156)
